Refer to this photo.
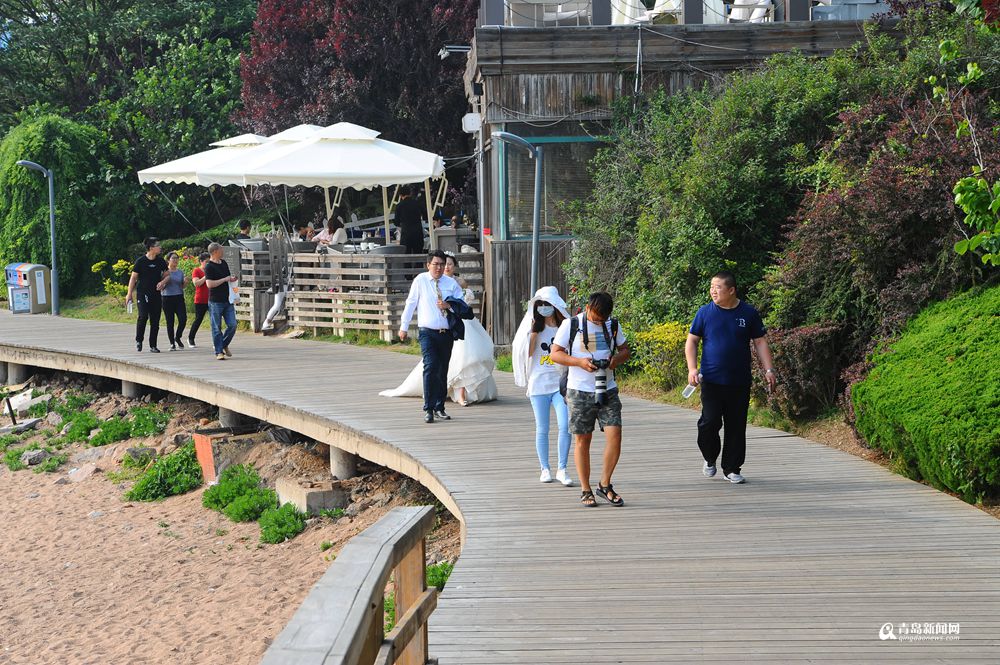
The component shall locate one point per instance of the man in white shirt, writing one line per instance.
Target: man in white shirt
(598, 341)
(428, 295)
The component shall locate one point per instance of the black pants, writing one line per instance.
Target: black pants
(724, 405)
(200, 310)
(175, 306)
(436, 349)
(149, 305)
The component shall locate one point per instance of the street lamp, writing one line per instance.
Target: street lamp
(52, 227)
(534, 151)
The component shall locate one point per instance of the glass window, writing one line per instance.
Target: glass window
(565, 178)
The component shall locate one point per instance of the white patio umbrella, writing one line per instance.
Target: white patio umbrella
(348, 155)
(185, 169)
(231, 170)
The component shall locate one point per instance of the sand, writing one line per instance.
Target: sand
(90, 578)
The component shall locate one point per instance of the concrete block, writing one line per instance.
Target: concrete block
(311, 497)
(228, 418)
(3, 373)
(132, 390)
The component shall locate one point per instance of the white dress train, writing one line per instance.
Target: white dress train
(471, 367)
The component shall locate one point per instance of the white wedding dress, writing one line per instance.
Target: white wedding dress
(471, 367)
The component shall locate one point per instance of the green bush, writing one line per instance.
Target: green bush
(658, 352)
(147, 421)
(170, 475)
(234, 482)
(112, 430)
(280, 524)
(932, 401)
(250, 506)
(12, 458)
(438, 574)
(81, 424)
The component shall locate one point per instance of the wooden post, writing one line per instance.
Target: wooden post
(411, 582)
(376, 632)
(385, 212)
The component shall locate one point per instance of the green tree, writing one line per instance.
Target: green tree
(89, 224)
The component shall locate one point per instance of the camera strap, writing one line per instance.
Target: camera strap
(609, 340)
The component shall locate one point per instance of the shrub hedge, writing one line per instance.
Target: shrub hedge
(176, 473)
(658, 352)
(806, 360)
(932, 401)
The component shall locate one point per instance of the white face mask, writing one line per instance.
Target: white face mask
(546, 310)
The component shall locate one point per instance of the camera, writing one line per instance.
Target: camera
(601, 381)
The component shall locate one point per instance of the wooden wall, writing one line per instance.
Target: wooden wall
(508, 278)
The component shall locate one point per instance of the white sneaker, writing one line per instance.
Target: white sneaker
(563, 478)
(708, 470)
(735, 478)
(546, 476)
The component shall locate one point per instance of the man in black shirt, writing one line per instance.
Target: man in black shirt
(147, 271)
(409, 214)
(244, 233)
(217, 279)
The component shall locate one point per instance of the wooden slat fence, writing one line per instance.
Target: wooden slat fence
(341, 292)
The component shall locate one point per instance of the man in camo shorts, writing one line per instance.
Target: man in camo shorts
(597, 339)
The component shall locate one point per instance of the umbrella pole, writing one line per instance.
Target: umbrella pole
(385, 213)
(430, 211)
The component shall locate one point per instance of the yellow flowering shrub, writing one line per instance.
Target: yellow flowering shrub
(659, 353)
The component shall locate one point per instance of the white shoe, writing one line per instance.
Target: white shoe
(708, 470)
(546, 476)
(563, 478)
(735, 478)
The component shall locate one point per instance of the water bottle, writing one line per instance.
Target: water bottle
(129, 306)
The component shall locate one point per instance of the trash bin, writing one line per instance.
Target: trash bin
(29, 288)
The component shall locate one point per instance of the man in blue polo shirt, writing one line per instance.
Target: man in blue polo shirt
(725, 327)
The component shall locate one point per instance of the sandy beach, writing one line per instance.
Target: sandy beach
(90, 578)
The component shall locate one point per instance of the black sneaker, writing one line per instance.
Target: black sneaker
(179, 345)
(428, 416)
(442, 415)
(138, 346)
(153, 349)
(191, 343)
(173, 347)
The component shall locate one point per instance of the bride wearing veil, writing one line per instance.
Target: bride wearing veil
(470, 372)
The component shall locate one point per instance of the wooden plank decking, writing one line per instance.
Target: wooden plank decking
(804, 563)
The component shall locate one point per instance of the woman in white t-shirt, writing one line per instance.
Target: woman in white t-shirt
(534, 369)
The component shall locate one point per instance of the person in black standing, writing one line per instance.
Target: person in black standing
(409, 215)
(217, 279)
(244, 233)
(147, 272)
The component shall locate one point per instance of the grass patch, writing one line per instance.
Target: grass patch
(176, 473)
(12, 458)
(123, 475)
(51, 463)
(280, 524)
(325, 545)
(96, 308)
(505, 363)
(332, 513)
(112, 430)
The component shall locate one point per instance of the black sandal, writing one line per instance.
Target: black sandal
(608, 491)
(587, 499)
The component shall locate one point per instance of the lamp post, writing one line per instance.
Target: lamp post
(534, 151)
(54, 276)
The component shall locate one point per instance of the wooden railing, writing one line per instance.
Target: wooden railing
(341, 292)
(341, 621)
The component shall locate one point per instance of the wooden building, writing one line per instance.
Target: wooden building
(555, 86)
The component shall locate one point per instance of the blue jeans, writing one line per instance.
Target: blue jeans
(540, 404)
(217, 311)
(436, 349)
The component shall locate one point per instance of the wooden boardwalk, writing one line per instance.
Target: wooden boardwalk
(804, 563)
